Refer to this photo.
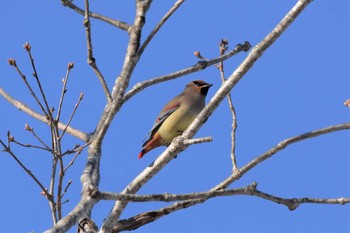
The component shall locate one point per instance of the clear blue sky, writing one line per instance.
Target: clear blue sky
(298, 85)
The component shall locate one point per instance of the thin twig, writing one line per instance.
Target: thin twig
(52, 188)
(119, 24)
(27, 47)
(29, 172)
(198, 140)
(30, 129)
(74, 158)
(66, 188)
(64, 90)
(223, 48)
(160, 24)
(91, 60)
(13, 63)
(280, 146)
(81, 96)
(75, 149)
(31, 146)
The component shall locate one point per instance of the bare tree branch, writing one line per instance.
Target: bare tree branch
(29, 172)
(167, 197)
(280, 146)
(148, 217)
(250, 190)
(160, 24)
(13, 63)
(197, 140)
(81, 96)
(91, 60)
(64, 90)
(119, 24)
(23, 107)
(27, 47)
(223, 47)
(199, 66)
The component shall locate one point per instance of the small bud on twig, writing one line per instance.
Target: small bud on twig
(27, 46)
(10, 138)
(12, 62)
(197, 54)
(347, 103)
(70, 65)
(27, 127)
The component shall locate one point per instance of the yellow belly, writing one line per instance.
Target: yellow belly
(175, 124)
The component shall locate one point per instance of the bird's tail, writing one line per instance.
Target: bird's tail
(142, 153)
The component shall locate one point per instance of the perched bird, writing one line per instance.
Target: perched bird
(176, 116)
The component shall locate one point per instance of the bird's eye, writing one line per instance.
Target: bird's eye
(198, 83)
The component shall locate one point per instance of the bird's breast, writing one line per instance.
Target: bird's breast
(176, 123)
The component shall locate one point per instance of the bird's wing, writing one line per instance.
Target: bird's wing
(164, 114)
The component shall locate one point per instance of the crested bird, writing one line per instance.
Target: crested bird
(176, 116)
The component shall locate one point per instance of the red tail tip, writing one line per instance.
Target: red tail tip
(140, 155)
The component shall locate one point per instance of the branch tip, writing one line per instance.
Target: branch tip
(12, 62)
(28, 128)
(70, 65)
(27, 46)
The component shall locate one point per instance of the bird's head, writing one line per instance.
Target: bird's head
(199, 86)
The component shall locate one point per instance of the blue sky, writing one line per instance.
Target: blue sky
(298, 85)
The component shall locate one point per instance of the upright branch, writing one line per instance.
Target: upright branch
(91, 60)
(13, 63)
(223, 47)
(81, 96)
(64, 90)
(27, 47)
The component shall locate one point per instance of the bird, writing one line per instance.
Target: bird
(176, 116)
